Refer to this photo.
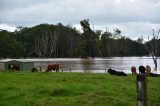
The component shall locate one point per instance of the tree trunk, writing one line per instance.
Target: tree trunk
(155, 63)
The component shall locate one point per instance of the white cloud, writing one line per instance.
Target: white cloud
(117, 2)
(132, 1)
(134, 30)
(7, 27)
(157, 4)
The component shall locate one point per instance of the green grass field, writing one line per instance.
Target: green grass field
(72, 89)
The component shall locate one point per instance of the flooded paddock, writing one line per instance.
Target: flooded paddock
(96, 65)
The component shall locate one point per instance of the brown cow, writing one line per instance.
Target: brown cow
(54, 67)
(148, 69)
(133, 70)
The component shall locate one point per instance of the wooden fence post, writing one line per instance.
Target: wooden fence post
(141, 90)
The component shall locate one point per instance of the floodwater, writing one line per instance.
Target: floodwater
(96, 65)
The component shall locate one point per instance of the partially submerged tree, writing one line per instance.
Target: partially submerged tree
(153, 46)
(87, 43)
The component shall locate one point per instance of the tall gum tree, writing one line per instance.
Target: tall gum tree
(86, 46)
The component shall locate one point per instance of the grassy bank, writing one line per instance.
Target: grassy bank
(72, 89)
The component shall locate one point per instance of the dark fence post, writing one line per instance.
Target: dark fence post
(141, 90)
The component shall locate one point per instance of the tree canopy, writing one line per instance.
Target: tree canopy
(47, 40)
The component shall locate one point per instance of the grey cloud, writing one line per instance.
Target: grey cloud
(100, 12)
(99, 9)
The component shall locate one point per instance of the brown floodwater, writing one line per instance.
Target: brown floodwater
(96, 65)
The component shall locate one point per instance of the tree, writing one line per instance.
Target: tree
(153, 46)
(87, 44)
(117, 33)
(46, 44)
(46, 40)
(106, 39)
(140, 40)
(9, 47)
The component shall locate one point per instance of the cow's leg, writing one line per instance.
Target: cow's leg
(48, 70)
(52, 70)
(57, 70)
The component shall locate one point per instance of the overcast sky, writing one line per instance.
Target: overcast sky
(133, 17)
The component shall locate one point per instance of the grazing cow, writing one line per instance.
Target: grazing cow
(14, 67)
(114, 72)
(148, 69)
(133, 70)
(34, 69)
(142, 69)
(54, 67)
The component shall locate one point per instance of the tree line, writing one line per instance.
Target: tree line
(47, 40)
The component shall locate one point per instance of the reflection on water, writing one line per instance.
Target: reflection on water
(98, 65)
(87, 65)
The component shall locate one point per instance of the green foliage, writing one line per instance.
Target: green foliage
(87, 45)
(9, 47)
(47, 40)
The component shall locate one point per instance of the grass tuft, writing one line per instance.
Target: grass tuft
(59, 92)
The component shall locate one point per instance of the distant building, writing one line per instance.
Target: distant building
(16, 65)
